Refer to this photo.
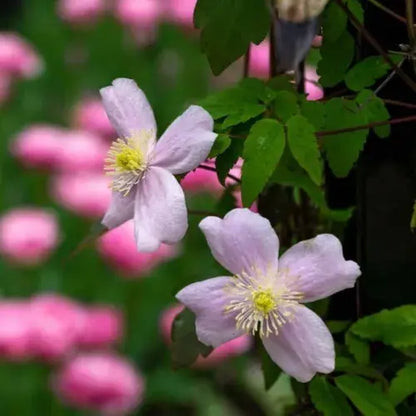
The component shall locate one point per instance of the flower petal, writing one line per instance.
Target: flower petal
(186, 142)
(121, 209)
(207, 300)
(303, 346)
(243, 240)
(160, 212)
(317, 268)
(127, 107)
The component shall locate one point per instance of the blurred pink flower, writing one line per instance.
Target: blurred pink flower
(230, 349)
(5, 87)
(103, 326)
(141, 14)
(38, 146)
(317, 41)
(15, 330)
(118, 247)
(81, 151)
(28, 235)
(81, 11)
(202, 180)
(17, 57)
(101, 382)
(180, 12)
(313, 90)
(86, 194)
(56, 326)
(259, 63)
(89, 115)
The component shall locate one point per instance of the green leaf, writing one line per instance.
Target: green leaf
(413, 219)
(342, 150)
(374, 110)
(336, 58)
(304, 146)
(328, 399)
(395, 327)
(358, 348)
(185, 345)
(226, 160)
(336, 327)
(228, 27)
(263, 149)
(271, 371)
(334, 22)
(286, 105)
(404, 384)
(347, 365)
(221, 144)
(356, 9)
(368, 399)
(314, 111)
(366, 73)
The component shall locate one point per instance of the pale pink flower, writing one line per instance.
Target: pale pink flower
(101, 382)
(28, 235)
(259, 62)
(266, 295)
(56, 326)
(202, 180)
(103, 326)
(17, 57)
(142, 169)
(15, 330)
(89, 115)
(180, 12)
(81, 11)
(5, 87)
(81, 151)
(38, 146)
(225, 351)
(141, 14)
(86, 193)
(313, 90)
(118, 248)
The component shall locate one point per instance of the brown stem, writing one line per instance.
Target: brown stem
(410, 22)
(370, 39)
(366, 126)
(388, 11)
(246, 63)
(399, 103)
(212, 169)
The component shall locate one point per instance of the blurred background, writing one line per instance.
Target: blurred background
(87, 331)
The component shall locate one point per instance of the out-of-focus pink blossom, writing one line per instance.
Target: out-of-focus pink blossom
(230, 349)
(56, 326)
(17, 57)
(28, 235)
(103, 327)
(118, 247)
(15, 330)
(317, 41)
(141, 14)
(86, 194)
(313, 90)
(180, 12)
(90, 115)
(259, 63)
(81, 11)
(81, 151)
(38, 146)
(101, 382)
(202, 180)
(5, 87)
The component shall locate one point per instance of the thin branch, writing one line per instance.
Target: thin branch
(388, 11)
(370, 39)
(367, 126)
(410, 23)
(246, 70)
(212, 169)
(399, 103)
(388, 79)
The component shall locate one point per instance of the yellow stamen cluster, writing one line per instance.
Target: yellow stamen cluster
(261, 302)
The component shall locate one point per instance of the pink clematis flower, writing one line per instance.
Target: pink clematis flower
(181, 12)
(81, 11)
(142, 169)
(265, 295)
(102, 382)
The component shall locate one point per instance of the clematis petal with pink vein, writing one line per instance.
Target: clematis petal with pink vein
(142, 168)
(264, 295)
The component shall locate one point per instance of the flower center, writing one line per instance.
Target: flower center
(261, 302)
(127, 160)
(264, 301)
